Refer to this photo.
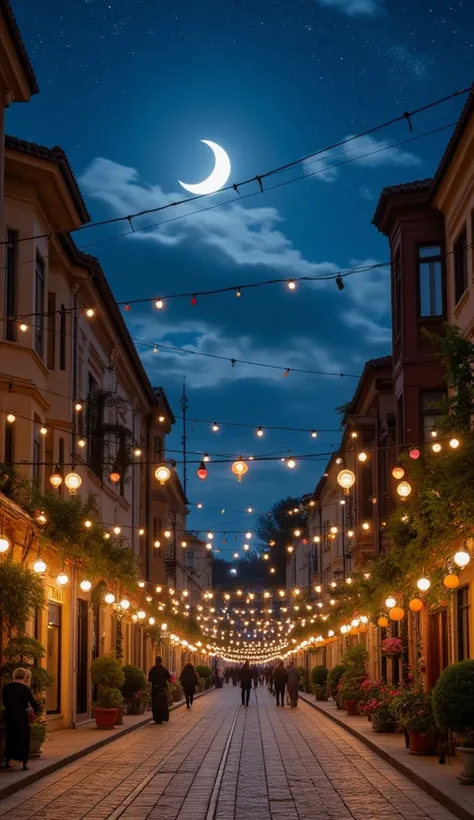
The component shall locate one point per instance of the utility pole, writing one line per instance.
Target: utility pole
(184, 404)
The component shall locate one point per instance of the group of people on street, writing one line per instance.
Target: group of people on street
(278, 679)
(159, 677)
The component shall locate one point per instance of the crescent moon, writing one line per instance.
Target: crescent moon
(219, 175)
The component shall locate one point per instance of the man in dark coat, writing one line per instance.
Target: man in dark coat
(159, 677)
(188, 680)
(280, 678)
(245, 676)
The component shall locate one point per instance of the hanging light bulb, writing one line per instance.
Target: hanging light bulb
(117, 529)
(202, 472)
(43, 431)
(62, 579)
(141, 531)
(151, 621)
(404, 489)
(56, 478)
(461, 558)
(239, 468)
(209, 546)
(454, 443)
(423, 584)
(81, 443)
(159, 304)
(291, 463)
(73, 481)
(114, 477)
(4, 543)
(23, 327)
(11, 418)
(39, 566)
(85, 585)
(109, 598)
(259, 432)
(210, 536)
(436, 447)
(398, 472)
(366, 525)
(346, 479)
(88, 524)
(291, 284)
(215, 427)
(314, 434)
(141, 615)
(390, 602)
(162, 473)
(362, 456)
(124, 604)
(157, 544)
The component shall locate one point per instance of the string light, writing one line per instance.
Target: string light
(159, 304)
(85, 585)
(291, 463)
(4, 544)
(454, 443)
(39, 566)
(423, 584)
(436, 447)
(11, 418)
(291, 284)
(109, 598)
(23, 327)
(461, 558)
(163, 473)
(362, 456)
(260, 432)
(62, 579)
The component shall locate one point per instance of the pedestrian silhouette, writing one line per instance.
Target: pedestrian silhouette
(246, 676)
(280, 679)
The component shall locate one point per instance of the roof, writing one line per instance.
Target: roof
(417, 188)
(371, 366)
(12, 25)
(453, 143)
(92, 264)
(57, 156)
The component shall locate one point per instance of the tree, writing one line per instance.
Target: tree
(275, 532)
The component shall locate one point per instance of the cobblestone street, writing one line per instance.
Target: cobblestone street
(222, 761)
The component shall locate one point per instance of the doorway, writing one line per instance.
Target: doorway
(53, 659)
(82, 657)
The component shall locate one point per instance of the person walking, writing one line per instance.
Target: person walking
(280, 678)
(188, 680)
(245, 683)
(159, 677)
(20, 706)
(293, 684)
(255, 676)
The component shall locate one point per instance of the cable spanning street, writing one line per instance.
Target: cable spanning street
(219, 761)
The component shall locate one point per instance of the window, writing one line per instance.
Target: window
(460, 266)
(62, 338)
(11, 285)
(36, 449)
(9, 443)
(430, 281)
(189, 559)
(431, 401)
(463, 622)
(51, 355)
(39, 307)
(158, 447)
(96, 436)
(53, 659)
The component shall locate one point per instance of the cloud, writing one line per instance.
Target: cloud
(366, 193)
(246, 236)
(372, 332)
(205, 371)
(370, 289)
(366, 152)
(353, 8)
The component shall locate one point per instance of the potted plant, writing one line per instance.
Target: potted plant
(105, 711)
(413, 711)
(304, 679)
(334, 676)
(319, 680)
(351, 692)
(204, 672)
(453, 707)
(107, 674)
(37, 738)
(134, 689)
(377, 704)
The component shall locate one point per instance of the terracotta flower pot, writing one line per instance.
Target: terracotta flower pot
(467, 757)
(105, 718)
(351, 707)
(119, 719)
(423, 743)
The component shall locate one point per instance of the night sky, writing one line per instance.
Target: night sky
(129, 88)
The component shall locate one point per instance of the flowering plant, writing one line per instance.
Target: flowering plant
(391, 646)
(413, 711)
(378, 700)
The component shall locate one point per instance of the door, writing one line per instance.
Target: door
(437, 646)
(82, 656)
(53, 659)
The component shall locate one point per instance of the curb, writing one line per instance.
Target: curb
(33, 777)
(442, 798)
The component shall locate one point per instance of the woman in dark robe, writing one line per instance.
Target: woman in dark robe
(188, 680)
(18, 701)
(159, 676)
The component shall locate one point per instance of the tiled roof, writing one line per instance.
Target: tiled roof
(418, 185)
(9, 17)
(59, 157)
(453, 143)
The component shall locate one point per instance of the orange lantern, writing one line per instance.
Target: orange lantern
(363, 628)
(382, 622)
(114, 477)
(451, 581)
(239, 468)
(415, 605)
(396, 613)
(354, 630)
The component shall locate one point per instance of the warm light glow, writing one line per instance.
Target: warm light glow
(184, 544)
(362, 456)
(454, 443)
(423, 584)
(85, 585)
(350, 533)
(23, 327)
(11, 418)
(239, 468)
(297, 533)
(73, 481)
(159, 304)
(141, 615)
(291, 284)
(415, 605)
(291, 463)
(398, 473)
(109, 598)
(39, 566)
(162, 473)
(346, 479)
(78, 406)
(161, 419)
(62, 579)
(289, 548)
(396, 613)
(117, 529)
(404, 489)
(436, 447)
(390, 602)
(333, 530)
(366, 525)
(215, 427)
(383, 622)
(348, 580)
(4, 543)
(461, 558)
(88, 524)
(81, 443)
(124, 604)
(451, 581)
(157, 544)
(316, 539)
(318, 588)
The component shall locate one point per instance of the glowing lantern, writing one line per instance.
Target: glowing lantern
(354, 630)
(404, 489)
(39, 566)
(415, 605)
(423, 584)
(414, 453)
(239, 468)
(461, 558)
(162, 473)
(62, 579)
(398, 472)
(382, 622)
(109, 598)
(363, 628)
(114, 477)
(56, 478)
(346, 479)
(73, 481)
(201, 472)
(124, 604)
(451, 581)
(85, 585)
(390, 602)
(396, 613)
(4, 543)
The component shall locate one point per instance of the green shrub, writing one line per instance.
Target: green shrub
(413, 711)
(453, 702)
(350, 687)
(26, 652)
(355, 656)
(304, 678)
(38, 731)
(109, 698)
(334, 676)
(107, 672)
(319, 675)
(135, 680)
(203, 672)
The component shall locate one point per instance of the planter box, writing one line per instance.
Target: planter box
(134, 705)
(105, 718)
(423, 743)
(35, 748)
(467, 756)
